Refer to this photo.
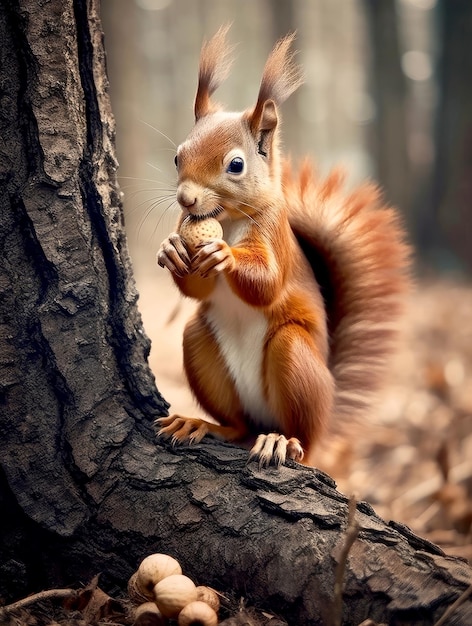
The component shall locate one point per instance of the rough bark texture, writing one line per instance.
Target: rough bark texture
(83, 486)
(270, 536)
(74, 378)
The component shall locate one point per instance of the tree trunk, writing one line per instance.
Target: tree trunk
(75, 385)
(388, 135)
(447, 226)
(84, 488)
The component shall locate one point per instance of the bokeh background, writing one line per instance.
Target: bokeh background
(388, 95)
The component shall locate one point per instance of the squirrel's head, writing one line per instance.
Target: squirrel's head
(229, 163)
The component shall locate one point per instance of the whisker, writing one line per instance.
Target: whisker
(154, 167)
(141, 180)
(162, 172)
(163, 214)
(247, 214)
(153, 202)
(165, 150)
(133, 191)
(151, 210)
(159, 132)
(130, 197)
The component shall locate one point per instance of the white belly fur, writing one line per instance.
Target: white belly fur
(240, 331)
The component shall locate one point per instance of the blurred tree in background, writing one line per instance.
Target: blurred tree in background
(387, 95)
(447, 220)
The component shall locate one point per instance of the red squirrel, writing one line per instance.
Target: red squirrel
(298, 298)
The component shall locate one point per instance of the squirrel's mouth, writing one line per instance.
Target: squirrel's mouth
(200, 217)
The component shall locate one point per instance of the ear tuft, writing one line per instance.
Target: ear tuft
(281, 77)
(215, 63)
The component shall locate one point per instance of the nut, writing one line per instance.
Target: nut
(151, 571)
(195, 232)
(173, 593)
(209, 596)
(135, 594)
(147, 614)
(197, 613)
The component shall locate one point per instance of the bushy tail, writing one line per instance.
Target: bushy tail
(358, 253)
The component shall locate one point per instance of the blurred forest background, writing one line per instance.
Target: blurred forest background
(388, 94)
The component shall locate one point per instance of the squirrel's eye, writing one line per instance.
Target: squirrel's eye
(236, 166)
(176, 161)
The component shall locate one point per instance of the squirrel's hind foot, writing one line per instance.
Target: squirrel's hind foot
(271, 449)
(275, 449)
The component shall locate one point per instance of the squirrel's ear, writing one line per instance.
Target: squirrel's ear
(214, 68)
(262, 123)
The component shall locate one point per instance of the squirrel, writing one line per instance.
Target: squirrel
(299, 298)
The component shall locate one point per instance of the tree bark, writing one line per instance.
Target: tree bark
(84, 487)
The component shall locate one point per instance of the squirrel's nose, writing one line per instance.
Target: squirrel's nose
(186, 199)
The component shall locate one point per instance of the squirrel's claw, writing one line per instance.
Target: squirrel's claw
(182, 429)
(275, 448)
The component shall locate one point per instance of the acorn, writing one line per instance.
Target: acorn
(195, 232)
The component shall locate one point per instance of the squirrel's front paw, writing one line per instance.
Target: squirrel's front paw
(212, 258)
(173, 254)
(275, 448)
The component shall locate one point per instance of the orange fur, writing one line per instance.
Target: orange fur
(214, 68)
(299, 298)
(357, 250)
(202, 356)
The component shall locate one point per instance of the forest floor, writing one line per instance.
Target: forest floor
(412, 461)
